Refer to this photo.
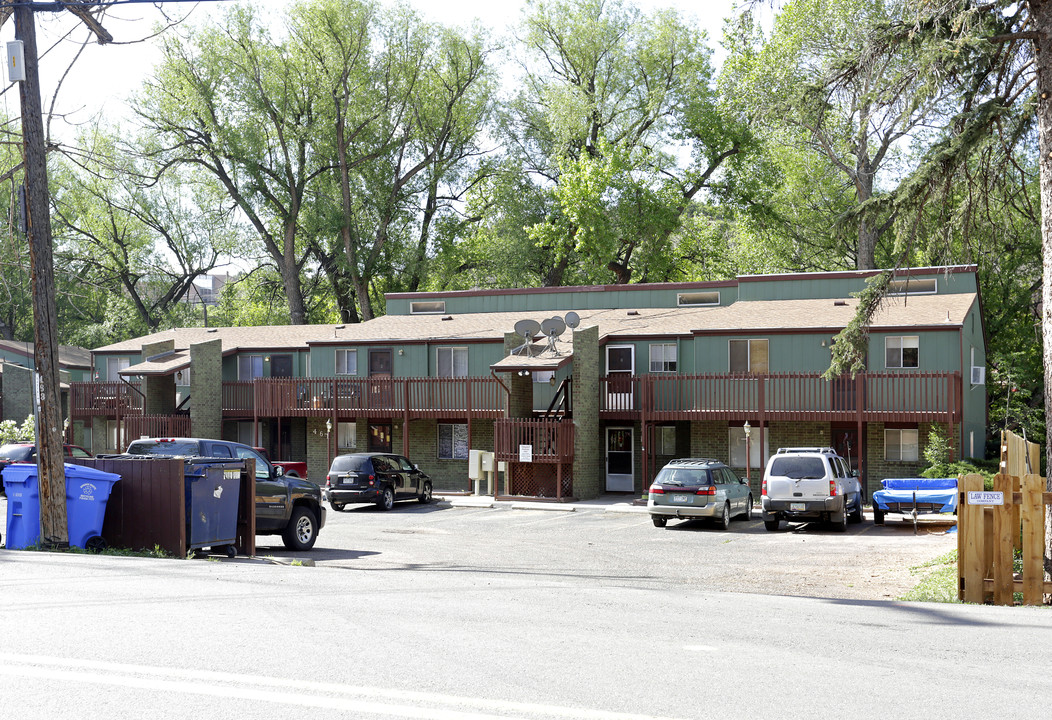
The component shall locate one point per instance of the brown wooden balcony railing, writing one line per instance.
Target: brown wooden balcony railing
(873, 397)
(550, 441)
(104, 399)
(379, 397)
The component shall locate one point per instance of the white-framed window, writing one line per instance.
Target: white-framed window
(902, 445)
(452, 362)
(694, 299)
(543, 376)
(112, 441)
(427, 307)
(663, 357)
(346, 362)
(750, 356)
(249, 367)
(346, 435)
(913, 286)
(665, 439)
(452, 441)
(902, 351)
(736, 443)
(182, 377)
(113, 367)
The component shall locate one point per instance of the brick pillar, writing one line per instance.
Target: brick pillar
(588, 466)
(520, 404)
(318, 454)
(206, 389)
(159, 390)
(18, 393)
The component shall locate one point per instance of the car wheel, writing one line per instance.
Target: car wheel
(838, 524)
(302, 530)
(724, 520)
(771, 525)
(386, 501)
(748, 509)
(659, 521)
(425, 497)
(856, 514)
(878, 516)
(337, 506)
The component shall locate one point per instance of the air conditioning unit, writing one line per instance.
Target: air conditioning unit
(978, 375)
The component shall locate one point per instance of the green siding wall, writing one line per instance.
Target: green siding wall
(415, 360)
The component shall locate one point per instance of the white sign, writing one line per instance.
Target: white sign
(525, 453)
(983, 497)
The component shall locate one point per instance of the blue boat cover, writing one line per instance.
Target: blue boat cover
(929, 490)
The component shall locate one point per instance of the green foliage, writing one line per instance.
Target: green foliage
(939, 581)
(10, 431)
(937, 451)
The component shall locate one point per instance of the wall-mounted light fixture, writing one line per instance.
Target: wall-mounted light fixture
(401, 351)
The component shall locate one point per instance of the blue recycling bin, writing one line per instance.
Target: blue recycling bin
(213, 488)
(87, 491)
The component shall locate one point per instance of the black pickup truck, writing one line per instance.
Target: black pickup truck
(285, 505)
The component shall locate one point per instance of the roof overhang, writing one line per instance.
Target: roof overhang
(167, 363)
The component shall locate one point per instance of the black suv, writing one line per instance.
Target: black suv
(379, 478)
(285, 505)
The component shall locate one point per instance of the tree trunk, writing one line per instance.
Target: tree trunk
(1041, 19)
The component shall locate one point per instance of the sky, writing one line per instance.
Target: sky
(104, 76)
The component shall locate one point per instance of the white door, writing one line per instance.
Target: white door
(620, 366)
(620, 460)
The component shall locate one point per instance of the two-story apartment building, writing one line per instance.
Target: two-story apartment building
(16, 369)
(579, 390)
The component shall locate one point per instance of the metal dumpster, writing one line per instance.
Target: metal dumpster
(212, 492)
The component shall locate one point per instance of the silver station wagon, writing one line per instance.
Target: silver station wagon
(698, 488)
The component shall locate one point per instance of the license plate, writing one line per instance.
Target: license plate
(681, 498)
(797, 507)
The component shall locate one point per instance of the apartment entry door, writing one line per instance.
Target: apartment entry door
(620, 460)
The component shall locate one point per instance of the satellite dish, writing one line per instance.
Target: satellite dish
(527, 328)
(572, 320)
(553, 327)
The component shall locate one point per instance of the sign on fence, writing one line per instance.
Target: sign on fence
(525, 453)
(983, 497)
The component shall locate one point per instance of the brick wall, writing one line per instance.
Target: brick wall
(446, 475)
(159, 390)
(588, 466)
(18, 392)
(206, 389)
(878, 468)
(318, 453)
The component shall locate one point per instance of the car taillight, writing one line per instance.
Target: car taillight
(328, 481)
(371, 478)
(832, 488)
(657, 489)
(763, 487)
(710, 490)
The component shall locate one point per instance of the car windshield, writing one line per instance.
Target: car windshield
(16, 453)
(799, 468)
(348, 463)
(685, 477)
(156, 447)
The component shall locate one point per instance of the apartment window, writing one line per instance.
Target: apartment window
(913, 286)
(736, 443)
(427, 307)
(749, 356)
(346, 362)
(902, 445)
(665, 438)
(902, 351)
(182, 377)
(113, 367)
(249, 367)
(452, 441)
(452, 361)
(698, 298)
(663, 357)
(113, 442)
(543, 376)
(346, 435)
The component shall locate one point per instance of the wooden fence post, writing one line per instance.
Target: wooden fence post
(1033, 520)
(969, 541)
(1004, 545)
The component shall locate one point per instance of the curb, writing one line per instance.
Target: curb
(551, 507)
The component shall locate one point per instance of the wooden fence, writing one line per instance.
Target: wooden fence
(991, 526)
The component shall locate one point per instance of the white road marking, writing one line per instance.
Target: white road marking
(287, 691)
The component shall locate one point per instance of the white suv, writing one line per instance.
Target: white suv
(810, 483)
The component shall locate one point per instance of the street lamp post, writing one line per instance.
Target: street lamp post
(748, 431)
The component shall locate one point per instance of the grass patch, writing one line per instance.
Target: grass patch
(938, 580)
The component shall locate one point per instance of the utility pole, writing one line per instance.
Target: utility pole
(54, 531)
(52, 477)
